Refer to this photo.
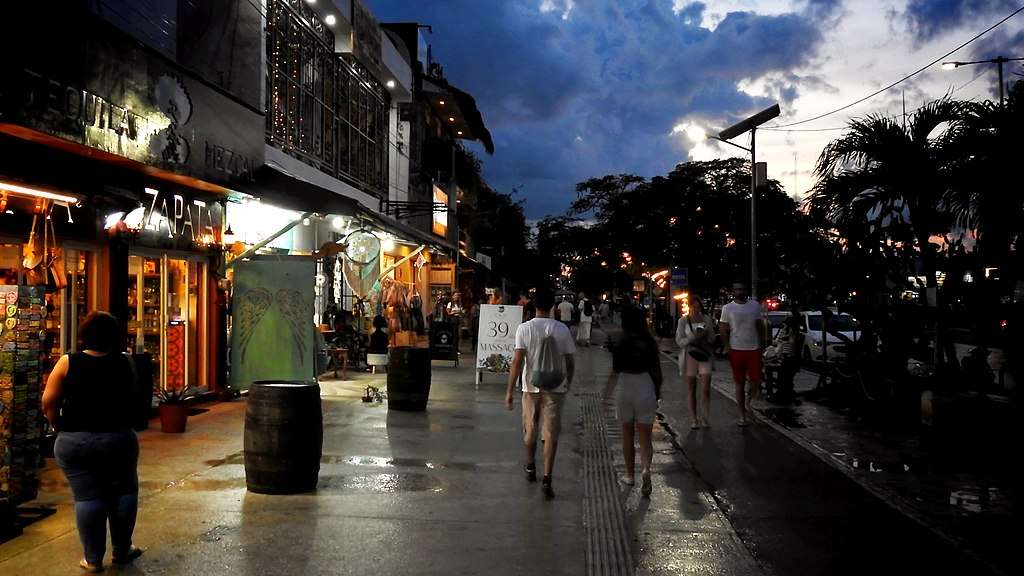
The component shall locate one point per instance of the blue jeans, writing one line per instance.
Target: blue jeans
(102, 469)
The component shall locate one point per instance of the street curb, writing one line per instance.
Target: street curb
(887, 496)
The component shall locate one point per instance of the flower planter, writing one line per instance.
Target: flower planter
(173, 418)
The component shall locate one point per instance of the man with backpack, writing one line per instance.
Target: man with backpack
(544, 360)
(586, 320)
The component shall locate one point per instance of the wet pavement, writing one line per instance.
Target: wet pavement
(813, 488)
(440, 491)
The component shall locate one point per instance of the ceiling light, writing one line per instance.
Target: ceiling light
(390, 83)
(337, 222)
(387, 244)
(451, 119)
(441, 102)
(330, 20)
(459, 132)
(310, 1)
(38, 193)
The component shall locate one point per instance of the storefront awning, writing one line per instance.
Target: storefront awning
(275, 185)
(408, 232)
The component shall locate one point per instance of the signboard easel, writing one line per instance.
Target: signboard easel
(496, 340)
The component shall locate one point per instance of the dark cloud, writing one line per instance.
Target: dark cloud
(692, 13)
(927, 19)
(593, 87)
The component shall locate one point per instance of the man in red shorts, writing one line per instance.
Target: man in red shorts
(742, 328)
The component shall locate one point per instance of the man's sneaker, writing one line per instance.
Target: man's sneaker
(546, 488)
(531, 472)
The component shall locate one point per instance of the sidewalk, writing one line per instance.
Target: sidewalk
(927, 480)
(439, 492)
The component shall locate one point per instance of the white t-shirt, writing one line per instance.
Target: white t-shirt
(529, 336)
(743, 320)
(565, 309)
(584, 317)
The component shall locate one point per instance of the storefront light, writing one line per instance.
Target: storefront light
(330, 20)
(338, 222)
(112, 219)
(387, 244)
(34, 193)
(134, 218)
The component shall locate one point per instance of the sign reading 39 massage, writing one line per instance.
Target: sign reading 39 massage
(496, 340)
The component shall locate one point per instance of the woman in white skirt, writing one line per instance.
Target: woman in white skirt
(636, 370)
(694, 334)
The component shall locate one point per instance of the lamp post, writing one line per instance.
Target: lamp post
(998, 61)
(751, 124)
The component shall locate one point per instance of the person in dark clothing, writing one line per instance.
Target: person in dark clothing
(379, 339)
(88, 400)
(636, 363)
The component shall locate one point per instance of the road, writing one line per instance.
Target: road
(796, 514)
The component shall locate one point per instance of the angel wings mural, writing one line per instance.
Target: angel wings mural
(292, 308)
(251, 307)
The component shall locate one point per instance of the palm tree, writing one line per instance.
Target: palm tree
(985, 197)
(883, 177)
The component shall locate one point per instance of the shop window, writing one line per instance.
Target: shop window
(325, 109)
(167, 318)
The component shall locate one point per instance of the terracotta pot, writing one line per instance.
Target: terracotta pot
(173, 418)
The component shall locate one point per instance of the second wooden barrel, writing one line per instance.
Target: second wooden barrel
(284, 437)
(408, 378)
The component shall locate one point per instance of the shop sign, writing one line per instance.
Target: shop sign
(496, 337)
(680, 279)
(440, 226)
(125, 100)
(180, 216)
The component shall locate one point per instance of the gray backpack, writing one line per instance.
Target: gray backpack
(547, 373)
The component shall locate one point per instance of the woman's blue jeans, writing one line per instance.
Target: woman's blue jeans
(102, 469)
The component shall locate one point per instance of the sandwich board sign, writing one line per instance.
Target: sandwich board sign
(496, 338)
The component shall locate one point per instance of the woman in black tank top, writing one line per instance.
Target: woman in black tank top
(88, 400)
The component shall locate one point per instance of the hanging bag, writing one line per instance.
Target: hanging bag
(547, 374)
(34, 261)
(696, 350)
(56, 261)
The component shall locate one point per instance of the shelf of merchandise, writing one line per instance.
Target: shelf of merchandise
(144, 306)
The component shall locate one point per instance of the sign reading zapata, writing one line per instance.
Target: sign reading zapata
(118, 97)
(272, 331)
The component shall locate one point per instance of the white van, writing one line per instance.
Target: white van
(815, 346)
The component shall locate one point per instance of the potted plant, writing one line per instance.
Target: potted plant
(174, 409)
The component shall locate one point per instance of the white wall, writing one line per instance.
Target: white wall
(398, 157)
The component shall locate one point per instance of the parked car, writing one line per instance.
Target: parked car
(834, 347)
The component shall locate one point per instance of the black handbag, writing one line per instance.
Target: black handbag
(695, 351)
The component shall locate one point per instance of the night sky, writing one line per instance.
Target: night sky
(572, 89)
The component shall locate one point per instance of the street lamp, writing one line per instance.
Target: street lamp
(999, 60)
(751, 124)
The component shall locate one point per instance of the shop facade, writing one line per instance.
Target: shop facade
(115, 164)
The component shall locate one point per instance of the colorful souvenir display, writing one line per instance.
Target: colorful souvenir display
(21, 419)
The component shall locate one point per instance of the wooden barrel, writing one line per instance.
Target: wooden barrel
(408, 378)
(284, 437)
